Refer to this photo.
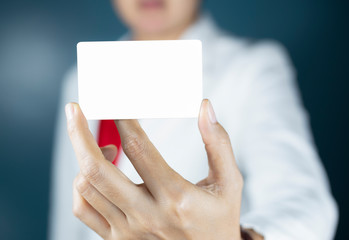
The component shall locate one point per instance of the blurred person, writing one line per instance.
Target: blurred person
(252, 87)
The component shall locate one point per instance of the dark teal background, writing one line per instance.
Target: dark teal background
(37, 46)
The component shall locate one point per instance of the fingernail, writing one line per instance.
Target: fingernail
(211, 114)
(69, 111)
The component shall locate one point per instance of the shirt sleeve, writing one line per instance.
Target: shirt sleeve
(284, 181)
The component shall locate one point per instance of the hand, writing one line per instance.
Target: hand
(165, 206)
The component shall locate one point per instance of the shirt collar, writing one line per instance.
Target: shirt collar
(204, 29)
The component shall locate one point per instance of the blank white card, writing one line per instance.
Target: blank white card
(140, 79)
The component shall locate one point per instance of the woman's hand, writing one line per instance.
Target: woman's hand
(165, 206)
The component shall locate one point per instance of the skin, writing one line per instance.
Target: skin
(167, 20)
(165, 206)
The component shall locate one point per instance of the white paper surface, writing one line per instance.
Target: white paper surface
(140, 79)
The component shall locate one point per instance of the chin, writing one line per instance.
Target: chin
(152, 26)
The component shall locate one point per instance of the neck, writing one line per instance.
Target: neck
(171, 34)
(139, 36)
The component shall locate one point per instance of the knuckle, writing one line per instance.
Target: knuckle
(179, 213)
(78, 209)
(178, 206)
(134, 145)
(224, 137)
(225, 140)
(82, 185)
(238, 182)
(221, 140)
(76, 179)
(147, 226)
(90, 169)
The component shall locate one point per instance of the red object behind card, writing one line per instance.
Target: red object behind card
(109, 134)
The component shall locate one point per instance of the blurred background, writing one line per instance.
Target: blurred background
(37, 46)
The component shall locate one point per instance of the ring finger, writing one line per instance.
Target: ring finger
(88, 215)
(101, 204)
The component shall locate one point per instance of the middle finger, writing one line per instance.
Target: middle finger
(157, 175)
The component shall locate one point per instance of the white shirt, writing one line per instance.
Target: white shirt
(253, 91)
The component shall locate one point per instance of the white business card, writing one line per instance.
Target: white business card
(140, 79)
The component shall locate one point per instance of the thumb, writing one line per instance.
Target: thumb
(220, 155)
(109, 152)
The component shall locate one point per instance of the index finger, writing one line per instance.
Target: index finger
(102, 174)
(157, 175)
